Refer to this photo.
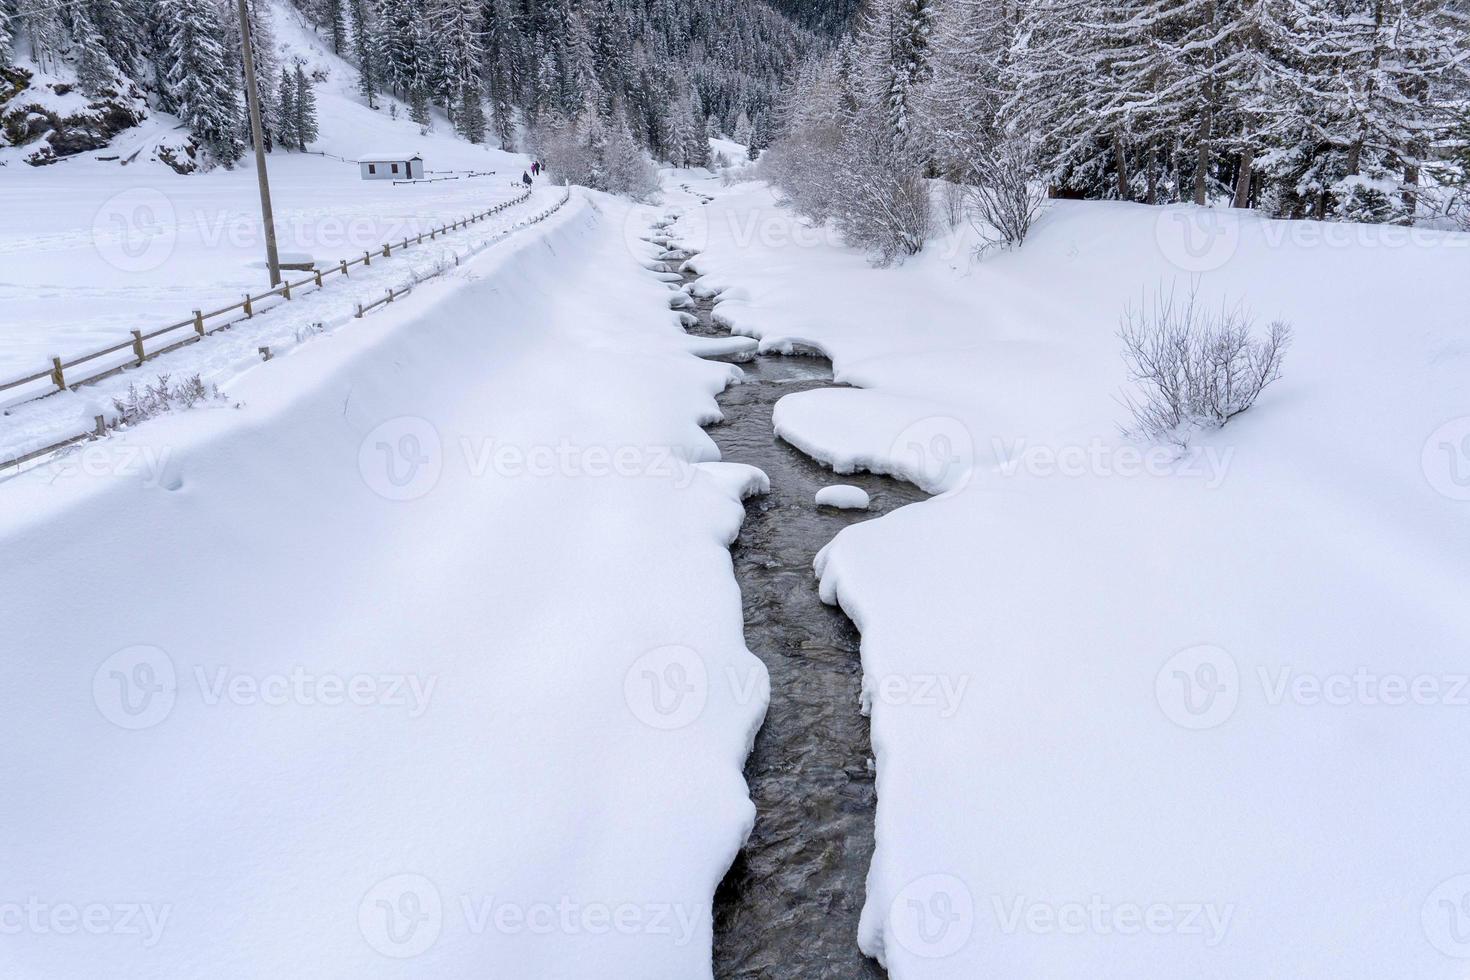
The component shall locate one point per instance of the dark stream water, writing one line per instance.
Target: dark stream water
(788, 908)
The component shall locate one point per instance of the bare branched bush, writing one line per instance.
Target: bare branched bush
(1195, 369)
(1003, 198)
(161, 396)
(883, 203)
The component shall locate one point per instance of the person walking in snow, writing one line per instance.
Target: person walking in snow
(525, 178)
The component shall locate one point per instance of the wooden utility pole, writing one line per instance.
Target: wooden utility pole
(252, 96)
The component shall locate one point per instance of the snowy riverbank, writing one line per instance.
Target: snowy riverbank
(409, 694)
(1212, 708)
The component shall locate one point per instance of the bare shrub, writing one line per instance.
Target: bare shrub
(883, 206)
(1002, 198)
(1195, 369)
(161, 397)
(953, 198)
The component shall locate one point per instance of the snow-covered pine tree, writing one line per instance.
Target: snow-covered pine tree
(267, 64)
(501, 53)
(904, 27)
(304, 109)
(454, 25)
(41, 21)
(285, 124)
(741, 132)
(95, 70)
(418, 107)
(398, 44)
(696, 151)
(6, 38)
(365, 48)
(120, 26)
(1392, 65)
(203, 83)
(961, 104)
(335, 18)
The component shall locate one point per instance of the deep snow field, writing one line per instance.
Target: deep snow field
(363, 678)
(1215, 706)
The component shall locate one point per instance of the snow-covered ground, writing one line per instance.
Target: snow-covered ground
(1214, 709)
(93, 248)
(425, 661)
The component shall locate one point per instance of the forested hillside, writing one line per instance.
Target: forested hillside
(1333, 109)
(495, 67)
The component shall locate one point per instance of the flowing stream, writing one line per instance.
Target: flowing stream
(789, 906)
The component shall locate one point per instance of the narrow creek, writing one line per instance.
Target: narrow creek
(789, 905)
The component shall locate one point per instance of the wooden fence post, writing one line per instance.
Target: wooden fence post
(138, 346)
(101, 423)
(318, 278)
(249, 310)
(265, 352)
(358, 314)
(367, 258)
(344, 266)
(57, 377)
(387, 250)
(199, 322)
(286, 288)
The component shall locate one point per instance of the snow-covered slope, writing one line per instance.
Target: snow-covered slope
(387, 672)
(91, 249)
(1216, 707)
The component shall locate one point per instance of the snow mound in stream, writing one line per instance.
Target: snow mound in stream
(843, 496)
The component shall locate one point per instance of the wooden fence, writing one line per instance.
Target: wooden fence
(197, 324)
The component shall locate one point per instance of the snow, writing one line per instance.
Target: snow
(843, 496)
(92, 249)
(425, 660)
(1212, 716)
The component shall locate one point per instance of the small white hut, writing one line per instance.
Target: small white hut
(391, 166)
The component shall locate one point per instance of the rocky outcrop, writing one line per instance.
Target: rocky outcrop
(30, 117)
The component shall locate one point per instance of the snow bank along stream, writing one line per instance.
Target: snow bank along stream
(790, 904)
